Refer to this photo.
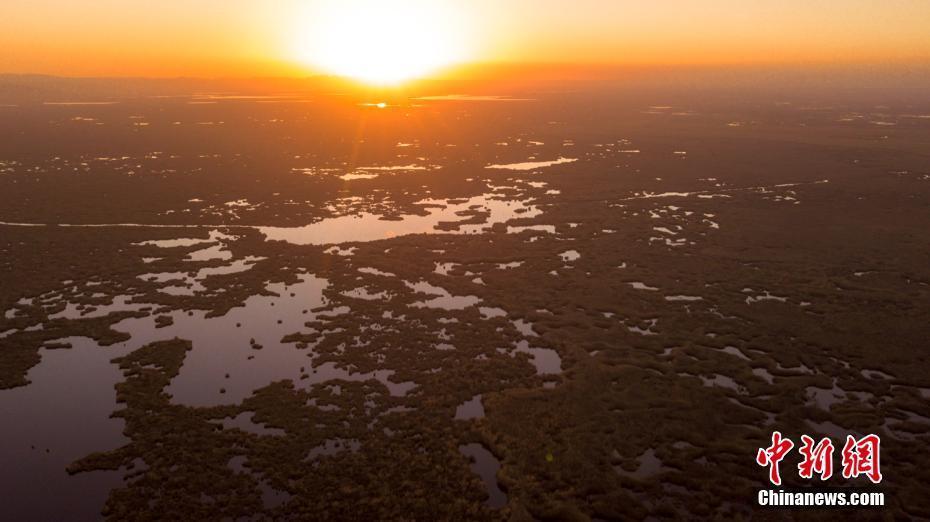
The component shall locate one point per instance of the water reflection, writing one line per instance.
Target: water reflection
(532, 165)
(47, 430)
(367, 226)
(486, 465)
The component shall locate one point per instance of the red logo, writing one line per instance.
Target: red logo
(859, 457)
(817, 459)
(773, 455)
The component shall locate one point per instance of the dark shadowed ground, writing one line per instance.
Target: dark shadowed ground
(575, 302)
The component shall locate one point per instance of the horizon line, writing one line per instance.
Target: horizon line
(444, 73)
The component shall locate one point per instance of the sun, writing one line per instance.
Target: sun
(382, 42)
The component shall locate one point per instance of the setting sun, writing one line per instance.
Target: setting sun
(379, 42)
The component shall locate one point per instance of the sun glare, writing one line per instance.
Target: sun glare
(382, 42)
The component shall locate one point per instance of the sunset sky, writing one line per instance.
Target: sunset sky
(257, 37)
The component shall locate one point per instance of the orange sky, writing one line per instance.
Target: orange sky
(257, 37)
